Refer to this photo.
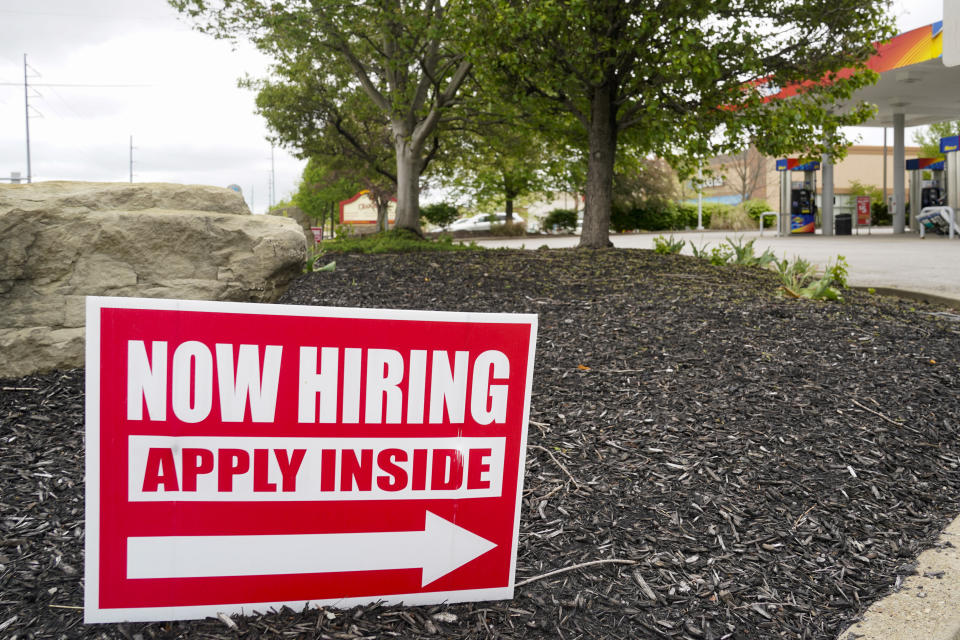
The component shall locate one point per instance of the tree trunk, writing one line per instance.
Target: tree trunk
(383, 208)
(408, 186)
(602, 141)
(509, 207)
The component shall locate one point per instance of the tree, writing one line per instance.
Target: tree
(498, 160)
(396, 54)
(336, 126)
(746, 169)
(683, 80)
(929, 138)
(323, 186)
(646, 183)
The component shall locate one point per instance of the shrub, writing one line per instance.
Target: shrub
(687, 214)
(756, 207)
(441, 214)
(508, 229)
(664, 217)
(562, 218)
(734, 218)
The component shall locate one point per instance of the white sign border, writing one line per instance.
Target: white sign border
(92, 613)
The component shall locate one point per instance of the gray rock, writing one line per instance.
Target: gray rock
(62, 241)
(298, 214)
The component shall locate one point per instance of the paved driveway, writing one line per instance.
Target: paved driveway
(881, 259)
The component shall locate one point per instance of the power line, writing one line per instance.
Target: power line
(87, 86)
(92, 16)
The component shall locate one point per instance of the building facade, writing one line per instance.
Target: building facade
(753, 176)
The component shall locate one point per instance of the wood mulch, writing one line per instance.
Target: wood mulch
(723, 463)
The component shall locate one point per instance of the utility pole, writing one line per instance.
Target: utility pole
(26, 110)
(131, 159)
(273, 180)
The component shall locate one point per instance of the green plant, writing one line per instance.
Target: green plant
(793, 275)
(699, 252)
(312, 256)
(742, 253)
(394, 241)
(798, 279)
(719, 256)
(561, 218)
(839, 271)
(667, 246)
(440, 214)
(508, 229)
(734, 218)
(755, 208)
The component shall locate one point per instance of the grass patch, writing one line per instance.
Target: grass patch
(393, 241)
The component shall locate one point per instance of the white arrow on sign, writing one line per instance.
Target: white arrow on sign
(440, 548)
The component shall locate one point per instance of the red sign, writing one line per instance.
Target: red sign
(317, 234)
(863, 211)
(242, 457)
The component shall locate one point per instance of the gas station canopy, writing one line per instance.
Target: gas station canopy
(914, 78)
(919, 84)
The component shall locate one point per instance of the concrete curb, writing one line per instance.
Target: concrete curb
(927, 606)
(922, 296)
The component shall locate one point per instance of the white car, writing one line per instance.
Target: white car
(479, 222)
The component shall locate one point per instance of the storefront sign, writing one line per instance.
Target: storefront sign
(361, 209)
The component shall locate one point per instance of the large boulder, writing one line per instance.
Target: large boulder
(62, 241)
(296, 213)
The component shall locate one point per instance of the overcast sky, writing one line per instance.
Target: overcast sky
(149, 76)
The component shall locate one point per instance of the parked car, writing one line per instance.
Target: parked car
(480, 222)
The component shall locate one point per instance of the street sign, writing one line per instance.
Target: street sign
(242, 457)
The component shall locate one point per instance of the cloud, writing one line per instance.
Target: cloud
(189, 121)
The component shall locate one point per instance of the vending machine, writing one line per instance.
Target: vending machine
(927, 187)
(798, 198)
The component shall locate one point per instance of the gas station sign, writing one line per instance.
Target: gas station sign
(242, 457)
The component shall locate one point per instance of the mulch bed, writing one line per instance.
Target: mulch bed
(763, 467)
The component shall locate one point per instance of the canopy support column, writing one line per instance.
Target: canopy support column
(899, 164)
(826, 198)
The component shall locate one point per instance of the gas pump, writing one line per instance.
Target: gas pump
(927, 186)
(941, 217)
(798, 198)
